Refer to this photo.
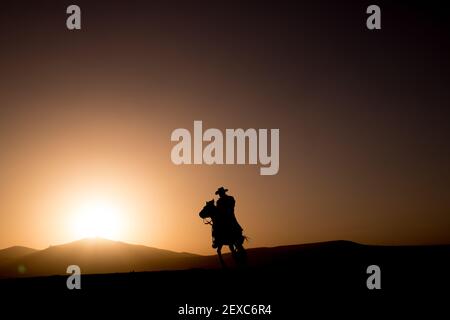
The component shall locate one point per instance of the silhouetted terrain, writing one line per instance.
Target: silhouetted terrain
(93, 256)
(292, 279)
(98, 255)
(13, 253)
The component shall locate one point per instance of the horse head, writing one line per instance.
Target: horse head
(208, 210)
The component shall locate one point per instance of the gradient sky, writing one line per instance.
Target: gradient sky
(363, 118)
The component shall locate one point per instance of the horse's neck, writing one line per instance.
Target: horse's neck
(213, 214)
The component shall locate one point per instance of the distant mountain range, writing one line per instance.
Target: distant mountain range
(96, 256)
(9, 254)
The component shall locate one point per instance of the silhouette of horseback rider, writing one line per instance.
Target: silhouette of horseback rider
(230, 227)
(225, 227)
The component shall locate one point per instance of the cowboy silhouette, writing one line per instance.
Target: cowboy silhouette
(225, 205)
(225, 227)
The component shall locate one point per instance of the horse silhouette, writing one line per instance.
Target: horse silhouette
(223, 233)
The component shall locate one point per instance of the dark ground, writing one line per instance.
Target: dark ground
(323, 279)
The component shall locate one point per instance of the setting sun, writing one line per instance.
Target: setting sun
(97, 218)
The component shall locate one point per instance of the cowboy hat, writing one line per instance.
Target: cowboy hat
(221, 190)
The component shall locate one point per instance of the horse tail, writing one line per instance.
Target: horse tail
(244, 238)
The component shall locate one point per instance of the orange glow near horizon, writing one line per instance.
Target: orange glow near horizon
(109, 175)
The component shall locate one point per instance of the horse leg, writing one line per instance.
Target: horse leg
(233, 251)
(219, 253)
(241, 254)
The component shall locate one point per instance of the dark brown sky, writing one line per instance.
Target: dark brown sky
(363, 118)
